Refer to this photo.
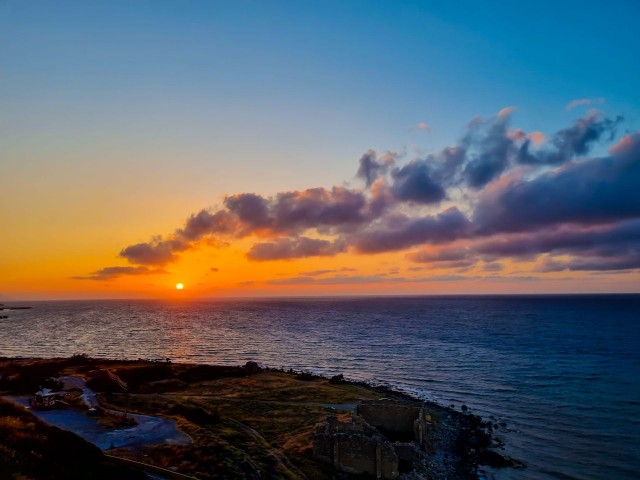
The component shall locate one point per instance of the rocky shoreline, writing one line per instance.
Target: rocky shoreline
(437, 442)
(461, 443)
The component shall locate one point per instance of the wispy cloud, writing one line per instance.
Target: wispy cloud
(109, 273)
(583, 101)
(421, 127)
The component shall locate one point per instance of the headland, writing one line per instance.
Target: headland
(237, 422)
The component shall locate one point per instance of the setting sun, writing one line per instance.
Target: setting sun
(179, 286)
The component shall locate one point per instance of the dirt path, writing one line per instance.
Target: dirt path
(276, 453)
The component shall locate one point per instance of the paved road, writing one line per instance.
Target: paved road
(149, 430)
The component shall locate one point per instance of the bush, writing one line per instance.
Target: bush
(306, 376)
(202, 373)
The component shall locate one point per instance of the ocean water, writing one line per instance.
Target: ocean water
(563, 372)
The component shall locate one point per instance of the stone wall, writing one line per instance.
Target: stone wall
(395, 419)
(382, 438)
(354, 447)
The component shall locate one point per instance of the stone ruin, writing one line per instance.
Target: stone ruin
(383, 438)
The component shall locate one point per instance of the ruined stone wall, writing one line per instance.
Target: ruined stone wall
(395, 418)
(424, 429)
(355, 447)
(360, 454)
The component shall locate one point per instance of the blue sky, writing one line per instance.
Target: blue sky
(321, 80)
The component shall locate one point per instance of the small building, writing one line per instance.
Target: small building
(46, 399)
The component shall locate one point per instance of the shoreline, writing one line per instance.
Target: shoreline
(458, 446)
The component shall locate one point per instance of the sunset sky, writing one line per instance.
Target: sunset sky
(252, 148)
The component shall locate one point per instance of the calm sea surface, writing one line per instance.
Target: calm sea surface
(563, 372)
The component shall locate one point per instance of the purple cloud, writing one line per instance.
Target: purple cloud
(414, 183)
(592, 191)
(287, 248)
(157, 252)
(109, 273)
(407, 232)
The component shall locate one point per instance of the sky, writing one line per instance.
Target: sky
(277, 148)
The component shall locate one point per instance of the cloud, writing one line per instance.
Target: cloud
(157, 252)
(493, 267)
(414, 183)
(563, 239)
(570, 142)
(506, 111)
(369, 279)
(109, 273)
(287, 248)
(371, 167)
(592, 191)
(499, 192)
(402, 232)
(445, 254)
(583, 101)
(551, 264)
(317, 273)
(317, 208)
(490, 149)
(250, 209)
(422, 127)
(360, 279)
(628, 146)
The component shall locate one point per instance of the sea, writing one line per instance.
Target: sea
(559, 374)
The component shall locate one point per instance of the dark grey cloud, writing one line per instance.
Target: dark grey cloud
(407, 232)
(490, 148)
(570, 142)
(414, 183)
(109, 273)
(317, 208)
(617, 237)
(251, 209)
(550, 264)
(445, 254)
(593, 191)
(206, 223)
(288, 248)
(371, 168)
(157, 252)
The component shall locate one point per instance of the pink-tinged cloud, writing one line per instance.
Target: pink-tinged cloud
(629, 145)
(422, 127)
(583, 101)
(506, 111)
